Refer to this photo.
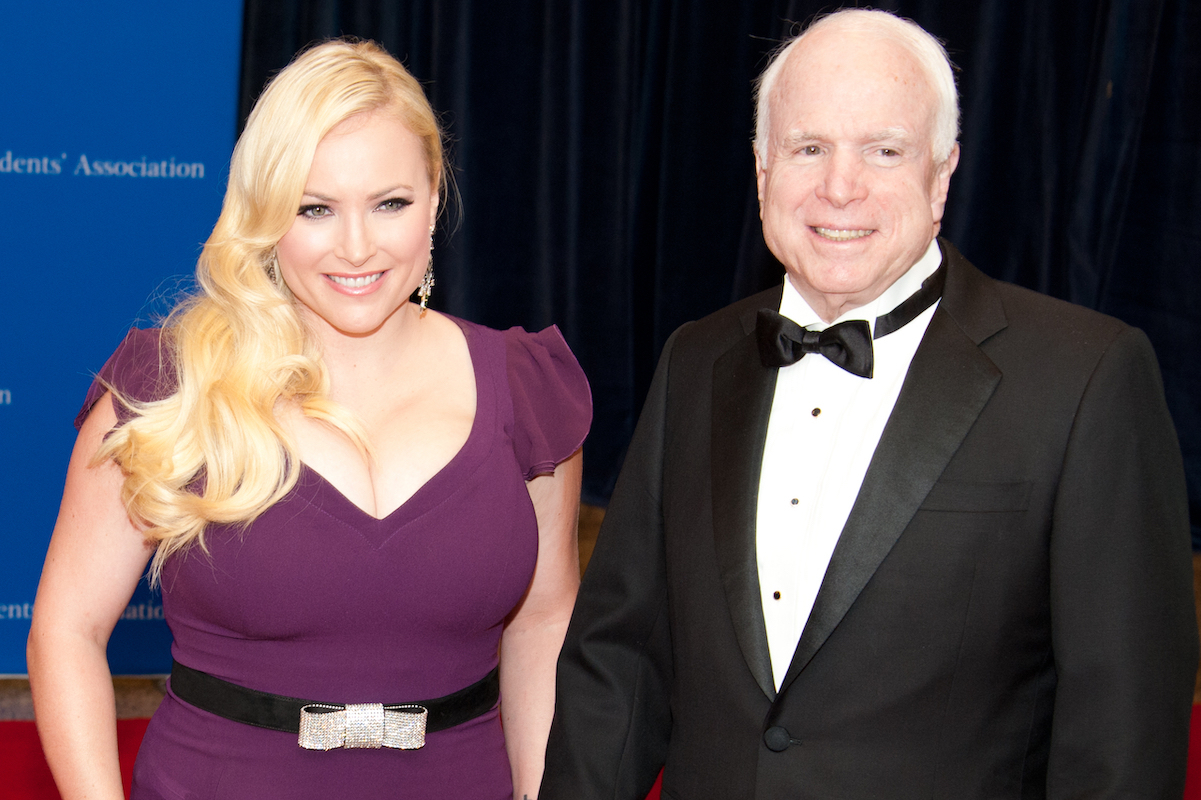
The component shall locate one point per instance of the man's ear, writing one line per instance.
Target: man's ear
(760, 179)
(942, 185)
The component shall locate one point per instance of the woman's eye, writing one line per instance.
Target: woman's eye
(314, 212)
(395, 204)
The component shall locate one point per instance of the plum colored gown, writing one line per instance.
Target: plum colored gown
(319, 600)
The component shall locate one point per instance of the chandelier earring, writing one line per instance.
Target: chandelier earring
(427, 280)
(272, 268)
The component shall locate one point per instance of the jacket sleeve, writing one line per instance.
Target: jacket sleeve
(612, 714)
(1124, 631)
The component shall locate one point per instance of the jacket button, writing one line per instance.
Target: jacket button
(776, 739)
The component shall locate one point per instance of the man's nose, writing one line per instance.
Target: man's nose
(843, 180)
(357, 243)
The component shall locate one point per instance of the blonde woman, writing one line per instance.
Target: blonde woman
(359, 511)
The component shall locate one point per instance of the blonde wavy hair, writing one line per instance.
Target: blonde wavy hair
(214, 451)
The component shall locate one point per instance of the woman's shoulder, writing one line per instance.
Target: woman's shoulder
(534, 358)
(140, 370)
(552, 402)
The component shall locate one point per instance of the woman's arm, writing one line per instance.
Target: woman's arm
(534, 633)
(95, 560)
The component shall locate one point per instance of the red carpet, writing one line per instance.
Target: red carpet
(25, 775)
(24, 770)
(1192, 781)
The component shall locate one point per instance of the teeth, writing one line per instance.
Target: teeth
(357, 282)
(840, 235)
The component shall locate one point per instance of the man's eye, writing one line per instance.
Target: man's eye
(811, 150)
(888, 152)
(314, 212)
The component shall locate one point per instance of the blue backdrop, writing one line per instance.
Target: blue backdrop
(116, 125)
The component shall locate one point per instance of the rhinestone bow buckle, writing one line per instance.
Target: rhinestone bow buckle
(362, 725)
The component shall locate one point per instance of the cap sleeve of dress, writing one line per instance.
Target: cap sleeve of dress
(138, 370)
(552, 403)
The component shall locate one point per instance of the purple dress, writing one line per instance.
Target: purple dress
(319, 600)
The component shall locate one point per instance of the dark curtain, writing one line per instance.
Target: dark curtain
(602, 153)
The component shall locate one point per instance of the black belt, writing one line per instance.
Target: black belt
(280, 713)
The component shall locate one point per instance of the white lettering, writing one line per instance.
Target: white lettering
(45, 165)
(34, 165)
(136, 169)
(16, 611)
(6, 397)
(143, 612)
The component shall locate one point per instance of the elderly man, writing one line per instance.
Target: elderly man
(893, 529)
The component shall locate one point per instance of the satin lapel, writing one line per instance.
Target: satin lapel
(949, 382)
(742, 396)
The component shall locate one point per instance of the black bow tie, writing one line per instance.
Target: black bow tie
(783, 342)
(847, 344)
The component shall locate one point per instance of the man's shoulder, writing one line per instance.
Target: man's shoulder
(1029, 308)
(717, 331)
(1023, 331)
(975, 299)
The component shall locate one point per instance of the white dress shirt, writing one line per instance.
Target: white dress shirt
(824, 426)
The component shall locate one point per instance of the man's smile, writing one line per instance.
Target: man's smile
(841, 235)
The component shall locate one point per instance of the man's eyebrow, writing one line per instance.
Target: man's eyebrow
(794, 137)
(895, 133)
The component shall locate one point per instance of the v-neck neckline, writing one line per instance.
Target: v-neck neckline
(328, 498)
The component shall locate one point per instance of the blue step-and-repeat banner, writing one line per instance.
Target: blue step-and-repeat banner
(116, 125)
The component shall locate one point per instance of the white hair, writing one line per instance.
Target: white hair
(929, 52)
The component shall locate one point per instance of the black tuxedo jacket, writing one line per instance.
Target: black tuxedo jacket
(1008, 612)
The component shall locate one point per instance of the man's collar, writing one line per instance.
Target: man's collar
(794, 306)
